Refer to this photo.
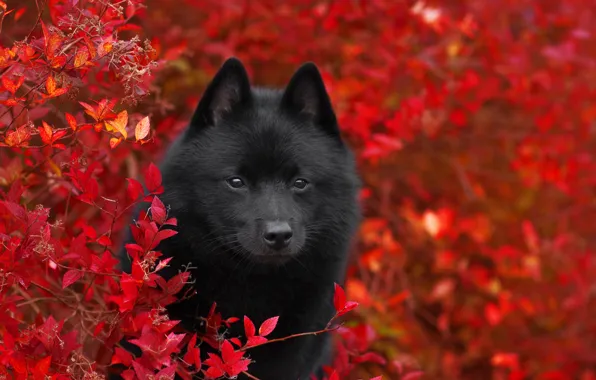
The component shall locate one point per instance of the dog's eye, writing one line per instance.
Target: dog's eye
(300, 184)
(235, 182)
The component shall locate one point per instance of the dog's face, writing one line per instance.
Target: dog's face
(266, 169)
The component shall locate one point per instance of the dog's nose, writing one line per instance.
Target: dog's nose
(277, 235)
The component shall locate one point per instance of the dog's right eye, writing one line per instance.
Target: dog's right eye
(235, 182)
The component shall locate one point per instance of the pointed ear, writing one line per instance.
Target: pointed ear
(229, 90)
(306, 95)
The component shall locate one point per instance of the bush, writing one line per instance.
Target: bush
(473, 125)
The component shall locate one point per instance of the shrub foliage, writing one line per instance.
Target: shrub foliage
(473, 122)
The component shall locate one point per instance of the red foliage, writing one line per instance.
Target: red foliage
(473, 126)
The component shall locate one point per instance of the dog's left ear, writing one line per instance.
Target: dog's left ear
(229, 90)
(306, 95)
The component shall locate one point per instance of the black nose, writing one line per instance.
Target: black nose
(277, 235)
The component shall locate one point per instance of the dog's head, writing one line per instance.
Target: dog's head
(266, 169)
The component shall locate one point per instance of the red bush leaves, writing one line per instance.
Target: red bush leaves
(46, 341)
(56, 262)
(489, 133)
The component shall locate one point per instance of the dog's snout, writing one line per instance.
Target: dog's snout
(277, 235)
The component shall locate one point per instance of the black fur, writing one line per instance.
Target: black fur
(268, 139)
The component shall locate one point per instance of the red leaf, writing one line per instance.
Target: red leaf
(231, 362)
(162, 264)
(149, 339)
(19, 137)
(114, 142)
(16, 210)
(71, 277)
(81, 58)
(193, 354)
(11, 86)
(128, 374)
(162, 235)
(339, 298)
(166, 373)
(142, 372)
(104, 240)
(130, 291)
(152, 178)
(372, 357)
(231, 320)
(255, 341)
(249, 327)
(42, 367)
(227, 352)
(171, 344)
(57, 135)
(171, 222)
(214, 372)
(268, 326)
(134, 250)
(350, 305)
(89, 110)
(339, 301)
(48, 331)
(493, 314)
(46, 133)
(216, 366)
(134, 189)
(11, 102)
(51, 89)
(104, 48)
(98, 328)
(176, 283)
(8, 341)
(72, 122)
(238, 367)
(19, 364)
(122, 356)
(158, 211)
(90, 47)
(50, 85)
(119, 124)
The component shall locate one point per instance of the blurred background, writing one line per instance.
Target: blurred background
(474, 126)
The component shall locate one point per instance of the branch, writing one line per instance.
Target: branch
(325, 330)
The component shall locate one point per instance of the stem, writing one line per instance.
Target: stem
(325, 330)
(250, 376)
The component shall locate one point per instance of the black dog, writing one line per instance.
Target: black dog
(265, 193)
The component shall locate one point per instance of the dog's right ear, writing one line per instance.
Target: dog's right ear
(306, 95)
(229, 90)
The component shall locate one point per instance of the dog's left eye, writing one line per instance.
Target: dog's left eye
(235, 182)
(300, 184)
